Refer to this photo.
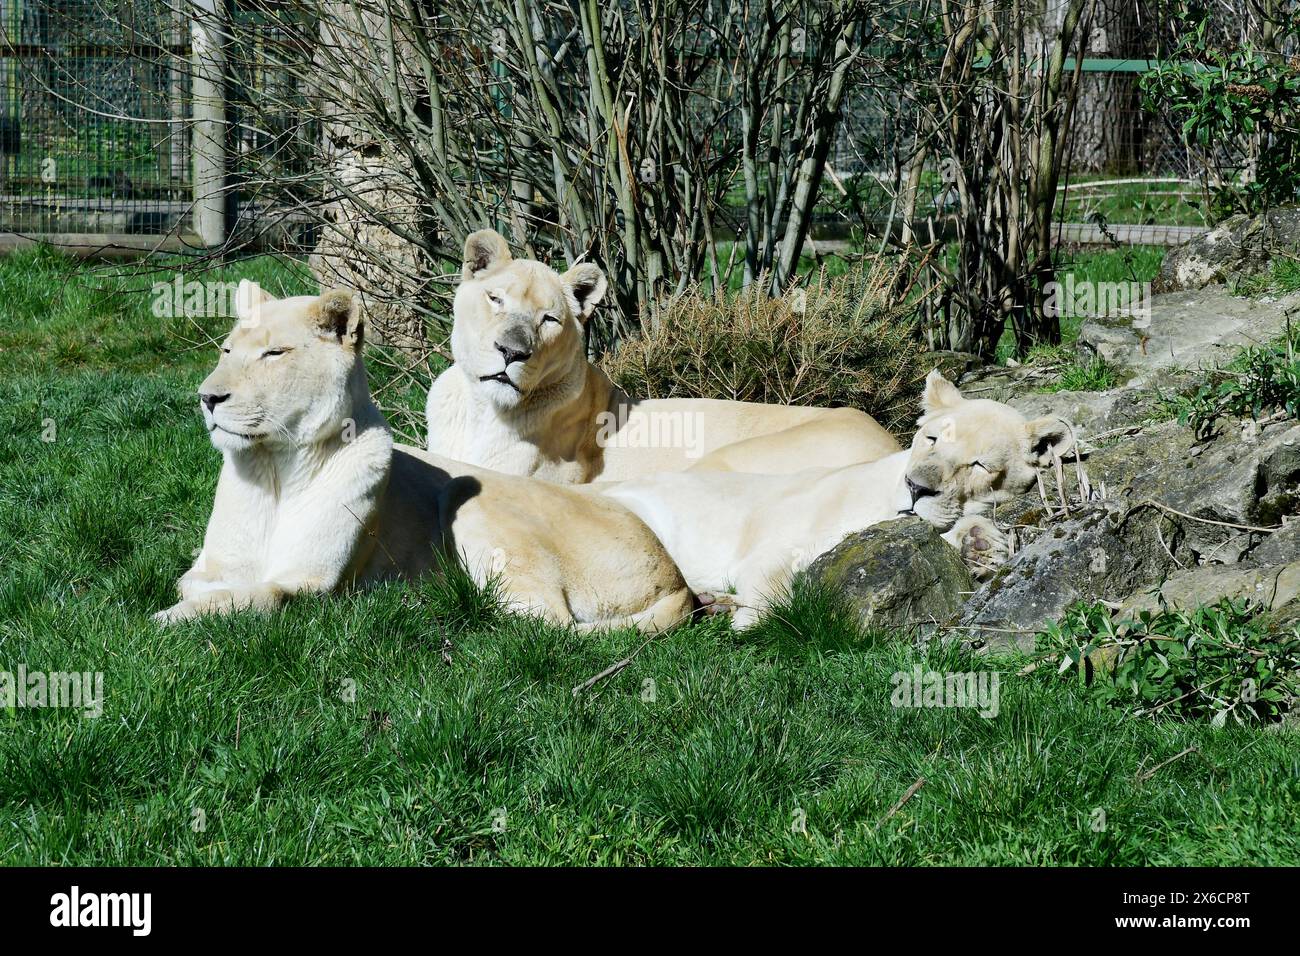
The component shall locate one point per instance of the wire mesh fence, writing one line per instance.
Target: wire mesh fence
(1124, 163)
(95, 100)
(95, 130)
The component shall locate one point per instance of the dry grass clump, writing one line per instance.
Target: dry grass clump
(849, 340)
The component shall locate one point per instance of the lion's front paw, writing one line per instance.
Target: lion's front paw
(982, 546)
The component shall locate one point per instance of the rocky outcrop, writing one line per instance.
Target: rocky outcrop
(1282, 547)
(1267, 588)
(1239, 246)
(1171, 504)
(1092, 413)
(899, 574)
(1186, 330)
(1105, 552)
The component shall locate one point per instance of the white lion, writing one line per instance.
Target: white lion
(741, 537)
(314, 496)
(522, 398)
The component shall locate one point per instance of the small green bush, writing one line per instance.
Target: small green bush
(1217, 661)
(1225, 99)
(849, 341)
(1261, 380)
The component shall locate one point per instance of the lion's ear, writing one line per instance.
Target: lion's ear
(484, 250)
(338, 313)
(940, 394)
(588, 285)
(249, 297)
(1049, 438)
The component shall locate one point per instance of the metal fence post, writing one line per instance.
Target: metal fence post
(209, 130)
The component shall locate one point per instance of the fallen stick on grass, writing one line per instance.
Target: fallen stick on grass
(1148, 774)
(617, 666)
(911, 792)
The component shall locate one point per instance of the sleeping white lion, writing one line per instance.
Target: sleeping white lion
(741, 537)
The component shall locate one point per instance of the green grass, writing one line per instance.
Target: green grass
(1074, 269)
(1131, 203)
(1282, 278)
(422, 725)
(1093, 375)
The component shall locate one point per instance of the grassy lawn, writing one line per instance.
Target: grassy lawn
(423, 726)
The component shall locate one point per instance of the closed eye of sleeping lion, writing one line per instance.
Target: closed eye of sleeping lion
(523, 399)
(313, 495)
(750, 533)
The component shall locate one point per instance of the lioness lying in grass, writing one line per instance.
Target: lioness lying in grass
(523, 399)
(747, 534)
(314, 496)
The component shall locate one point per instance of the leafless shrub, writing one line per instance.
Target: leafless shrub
(677, 143)
(617, 132)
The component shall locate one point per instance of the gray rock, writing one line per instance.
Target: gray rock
(1284, 618)
(1238, 246)
(1223, 482)
(1127, 468)
(1229, 480)
(1133, 541)
(1104, 552)
(1266, 588)
(1183, 330)
(898, 574)
(1281, 547)
(1091, 413)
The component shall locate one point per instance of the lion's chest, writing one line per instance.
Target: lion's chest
(489, 444)
(246, 523)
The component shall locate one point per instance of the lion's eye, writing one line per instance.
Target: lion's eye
(933, 439)
(494, 299)
(980, 464)
(272, 353)
(551, 317)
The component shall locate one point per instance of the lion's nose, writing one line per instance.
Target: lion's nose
(919, 491)
(211, 401)
(512, 355)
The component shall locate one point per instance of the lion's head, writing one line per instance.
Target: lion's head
(289, 374)
(518, 332)
(969, 454)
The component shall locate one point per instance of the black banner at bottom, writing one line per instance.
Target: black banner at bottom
(334, 906)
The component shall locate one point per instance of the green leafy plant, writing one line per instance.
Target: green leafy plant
(1241, 108)
(1262, 379)
(1214, 662)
